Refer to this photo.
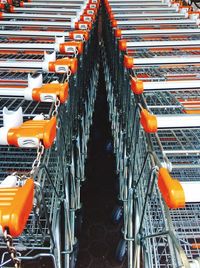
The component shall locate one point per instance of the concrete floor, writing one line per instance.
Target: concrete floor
(99, 236)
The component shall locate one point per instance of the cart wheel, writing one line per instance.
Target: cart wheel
(78, 222)
(121, 251)
(73, 256)
(109, 147)
(117, 214)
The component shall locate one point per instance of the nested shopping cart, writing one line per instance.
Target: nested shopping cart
(32, 163)
(43, 154)
(169, 150)
(159, 61)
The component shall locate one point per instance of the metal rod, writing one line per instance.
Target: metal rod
(41, 16)
(160, 31)
(156, 44)
(33, 33)
(156, 22)
(165, 60)
(169, 85)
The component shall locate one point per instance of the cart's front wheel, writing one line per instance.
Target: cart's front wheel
(121, 250)
(117, 214)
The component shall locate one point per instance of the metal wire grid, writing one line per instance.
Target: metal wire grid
(189, 25)
(163, 73)
(42, 19)
(37, 233)
(15, 77)
(134, 10)
(30, 109)
(35, 27)
(29, 40)
(159, 26)
(176, 52)
(185, 221)
(21, 56)
(164, 38)
(159, 251)
(157, 247)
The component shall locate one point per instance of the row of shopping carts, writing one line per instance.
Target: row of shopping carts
(151, 56)
(48, 80)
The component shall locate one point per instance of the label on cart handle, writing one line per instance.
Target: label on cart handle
(78, 37)
(32, 132)
(87, 18)
(83, 26)
(90, 12)
(28, 142)
(92, 6)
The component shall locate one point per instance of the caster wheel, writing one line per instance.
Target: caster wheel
(117, 214)
(109, 147)
(78, 222)
(74, 256)
(121, 251)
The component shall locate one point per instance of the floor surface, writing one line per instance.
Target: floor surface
(99, 236)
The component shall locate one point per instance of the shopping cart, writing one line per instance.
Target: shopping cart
(166, 85)
(48, 176)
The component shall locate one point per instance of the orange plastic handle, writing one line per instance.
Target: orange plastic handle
(78, 45)
(128, 62)
(15, 207)
(71, 63)
(194, 12)
(87, 17)
(148, 121)
(41, 130)
(118, 33)
(114, 23)
(79, 33)
(83, 25)
(60, 90)
(90, 11)
(171, 189)
(92, 6)
(195, 245)
(12, 9)
(122, 45)
(137, 86)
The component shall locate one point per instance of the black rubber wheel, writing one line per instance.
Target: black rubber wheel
(78, 222)
(117, 214)
(121, 251)
(74, 256)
